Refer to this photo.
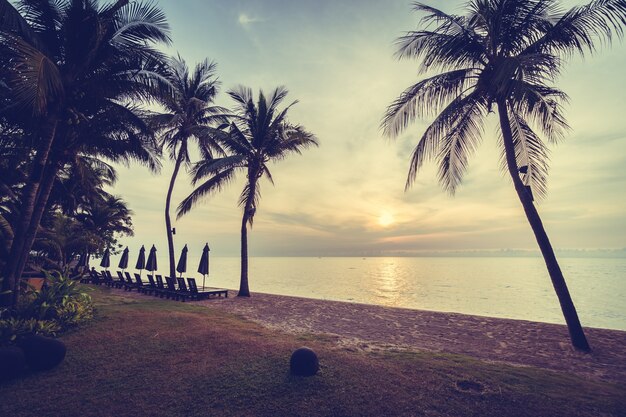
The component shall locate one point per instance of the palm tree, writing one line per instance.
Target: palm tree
(61, 240)
(105, 218)
(505, 53)
(65, 63)
(79, 183)
(188, 114)
(258, 134)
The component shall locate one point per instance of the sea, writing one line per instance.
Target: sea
(505, 287)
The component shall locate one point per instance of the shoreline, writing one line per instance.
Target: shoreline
(235, 291)
(374, 328)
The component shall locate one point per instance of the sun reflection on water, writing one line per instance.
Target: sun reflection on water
(388, 288)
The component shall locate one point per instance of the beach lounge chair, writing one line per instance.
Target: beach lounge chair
(108, 278)
(120, 281)
(205, 292)
(129, 284)
(86, 279)
(103, 277)
(183, 291)
(139, 284)
(95, 277)
(151, 287)
(161, 291)
(173, 292)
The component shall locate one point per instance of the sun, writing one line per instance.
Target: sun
(386, 219)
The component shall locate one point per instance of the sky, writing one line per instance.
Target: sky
(346, 197)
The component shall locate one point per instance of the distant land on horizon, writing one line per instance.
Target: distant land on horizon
(494, 253)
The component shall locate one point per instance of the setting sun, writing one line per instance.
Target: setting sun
(385, 219)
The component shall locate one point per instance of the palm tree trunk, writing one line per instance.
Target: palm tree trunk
(40, 205)
(20, 247)
(168, 221)
(244, 291)
(579, 341)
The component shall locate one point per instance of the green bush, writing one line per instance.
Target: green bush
(61, 299)
(76, 311)
(13, 328)
(59, 305)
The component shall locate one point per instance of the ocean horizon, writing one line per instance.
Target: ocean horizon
(504, 287)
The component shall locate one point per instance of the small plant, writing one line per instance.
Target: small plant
(14, 328)
(61, 299)
(60, 304)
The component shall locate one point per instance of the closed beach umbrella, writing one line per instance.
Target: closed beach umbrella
(124, 259)
(141, 260)
(203, 267)
(151, 263)
(181, 267)
(106, 259)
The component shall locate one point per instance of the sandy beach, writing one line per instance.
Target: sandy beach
(362, 327)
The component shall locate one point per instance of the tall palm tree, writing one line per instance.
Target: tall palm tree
(188, 115)
(502, 53)
(258, 134)
(64, 63)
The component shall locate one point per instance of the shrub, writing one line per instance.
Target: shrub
(75, 311)
(61, 300)
(59, 305)
(14, 328)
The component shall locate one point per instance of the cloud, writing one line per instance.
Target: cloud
(329, 200)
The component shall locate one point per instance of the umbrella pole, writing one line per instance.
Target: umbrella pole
(203, 278)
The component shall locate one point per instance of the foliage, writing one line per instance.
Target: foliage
(62, 239)
(506, 53)
(14, 328)
(58, 306)
(71, 75)
(105, 219)
(61, 299)
(259, 133)
(188, 112)
(188, 115)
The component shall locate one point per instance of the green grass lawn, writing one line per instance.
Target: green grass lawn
(161, 358)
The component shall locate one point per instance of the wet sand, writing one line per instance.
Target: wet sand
(373, 328)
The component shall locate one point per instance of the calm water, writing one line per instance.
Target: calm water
(499, 287)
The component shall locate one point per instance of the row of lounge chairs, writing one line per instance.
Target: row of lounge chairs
(170, 288)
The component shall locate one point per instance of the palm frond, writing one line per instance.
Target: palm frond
(11, 21)
(139, 22)
(241, 94)
(424, 98)
(211, 167)
(460, 142)
(45, 19)
(430, 144)
(36, 80)
(212, 185)
(578, 29)
(266, 172)
(448, 42)
(290, 139)
(541, 106)
(250, 197)
(530, 152)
